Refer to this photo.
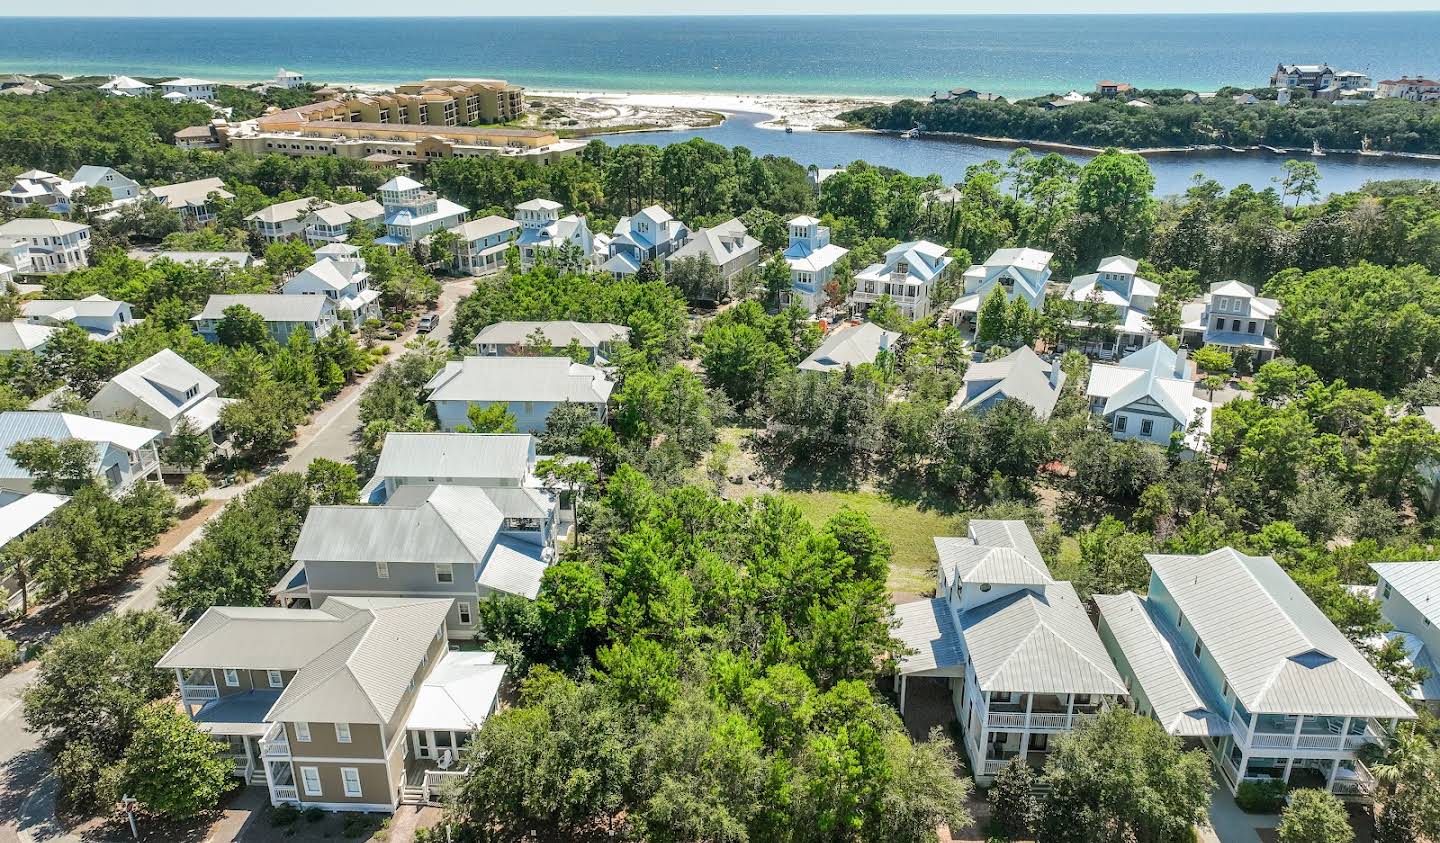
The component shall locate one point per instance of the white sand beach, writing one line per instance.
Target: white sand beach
(800, 112)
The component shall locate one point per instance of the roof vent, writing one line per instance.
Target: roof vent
(1312, 659)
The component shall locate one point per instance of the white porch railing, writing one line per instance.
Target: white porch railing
(1319, 741)
(1271, 741)
(199, 693)
(1039, 722)
(275, 744)
(1238, 726)
(285, 793)
(1006, 721)
(994, 765)
(435, 778)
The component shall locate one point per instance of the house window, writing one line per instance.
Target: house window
(232, 678)
(1252, 326)
(1386, 591)
(1120, 424)
(444, 573)
(1146, 425)
(302, 731)
(342, 732)
(464, 609)
(1235, 325)
(310, 776)
(1219, 324)
(1225, 689)
(382, 570)
(276, 680)
(350, 776)
(1197, 649)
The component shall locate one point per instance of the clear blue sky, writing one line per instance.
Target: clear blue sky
(322, 8)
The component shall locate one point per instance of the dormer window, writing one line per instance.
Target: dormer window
(1312, 659)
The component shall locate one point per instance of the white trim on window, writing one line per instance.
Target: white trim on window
(445, 573)
(464, 611)
(350, 778)
(382, 570)
(342, 732)
(232, 678)
(310, 779)
(276, 678)
(302, 731)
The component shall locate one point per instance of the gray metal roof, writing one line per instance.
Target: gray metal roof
(588, 334)
(968, 562)
(720, 243)
(21, 425)
(272, 307)
(1029, 641)
(554, 379)
(23, 336)
(927, 630)
(1277, 650)
(284, 211)
(1162, 666)
(1417, 582)
(189, 193)
(1006, 533)
(454, 524)
(160, 382)
(456, 455)
(514, 567)
(849, 346)
(1021, 375)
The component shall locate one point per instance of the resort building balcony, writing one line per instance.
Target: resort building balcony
(1305, 732)
(1040, 712)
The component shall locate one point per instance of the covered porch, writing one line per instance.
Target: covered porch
(454, 701)
(238, 721)
(933, 647)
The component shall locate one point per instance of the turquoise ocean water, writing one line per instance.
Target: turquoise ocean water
(877, 55)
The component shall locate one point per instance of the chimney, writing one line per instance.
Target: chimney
(1180, 364)
(1055, 374)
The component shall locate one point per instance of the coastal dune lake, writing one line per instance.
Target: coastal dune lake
(879, 55)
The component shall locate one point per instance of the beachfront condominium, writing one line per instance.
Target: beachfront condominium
(1011, 647)
(1226, 651)
(469, 100)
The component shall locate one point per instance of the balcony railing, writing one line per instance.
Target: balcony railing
(1311, 741)
(994, 765)
(285, 793)
(199, 693)
(1038, 721)
(275, 744)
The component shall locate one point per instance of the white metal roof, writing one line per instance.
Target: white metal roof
(458, 694)
(24, 336)
(1417, 582)
(19, 515)
(927, 630)
(553, 379)
(161, 380)
(454, 524)
(559, 333)
(272, 307)
(1162, 666)
(447, 456)
(849, 346)
(1279, 652)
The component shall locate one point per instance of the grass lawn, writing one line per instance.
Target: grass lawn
(911, 531)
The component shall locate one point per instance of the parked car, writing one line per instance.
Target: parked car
(427, 323)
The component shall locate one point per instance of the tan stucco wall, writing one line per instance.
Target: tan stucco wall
(375, 782)
(364, 742)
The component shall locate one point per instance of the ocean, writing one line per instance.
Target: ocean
(878, 55)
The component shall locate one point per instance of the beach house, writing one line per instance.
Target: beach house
(1150, 395)
(1020, 375)
(1011, 647)
(331, 223)
(506, 339)
(414, 212)
(284, 220)
(122, 188)
(1226, 650)
(1021, 273)
(1409, 595)
(482, 244)
(812, 258)
(543, 230)
(728, 246)
(192, 198)
(339, 275)
(124, 453)
(125, 86)
(1232, 317)
(530, 388)
(850, 344)
(187, 88)
(44, 246)
(354, 705)
(1115, 285)
(908, 276)
(160, 391)
(650, 235)
(283, 314)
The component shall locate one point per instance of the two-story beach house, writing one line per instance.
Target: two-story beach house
(1021, 375)
(44, 246)
(414, 212)
(543, 230)
(283, 314)
(908, 276)
(530, 387)
(284, 220)
(462, 543)
(650, 235)
(355, 705)
(1022, 273)
(1409, 595)
(102, 318)
(332, 223)
(812, 258)
(124, 454)
(187, 88)
(509, 339)
(849, 345)
(161, 390)
(1232, 317)
(1013, 646)
(482, 244)
(1150, 395)
(728, 246)
(24, 336)
(339, 275)
(1227, 650)
(1115, 284)
(126, 86)
(192, 199)
(38, 187)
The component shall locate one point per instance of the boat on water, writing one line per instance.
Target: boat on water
(789, 130)
(1316, 151)
(910, 133)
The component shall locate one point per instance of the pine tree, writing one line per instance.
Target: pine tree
(993, 320)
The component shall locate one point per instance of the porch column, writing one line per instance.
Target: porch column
(1025, 734)
(903, 685)
(1334, 771)
(1070, 711)
(249, 758)
(1345, 733)
(1286, 776)
(1295, 736)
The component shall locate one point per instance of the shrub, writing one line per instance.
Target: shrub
(1261, 797)
(9, 653)
(283, 815)
(314, 814)
(87, 783)
(356, 825)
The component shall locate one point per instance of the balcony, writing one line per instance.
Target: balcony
(199, 693)
(1308, 734)
(284, 793)
(1038, 721)
(275, 744)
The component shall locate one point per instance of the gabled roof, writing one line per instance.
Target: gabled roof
(719, 243)
(1006, 533)
(161, 380)
(272, 307)
(546, 379)
(67, 309)
(190, 193)
(21, 425)
(559, 333)
(1118, 264)
(1162, 666)
(1417, 582)
(924, 261)
(24, 336)
(484, 227)
(1147, 373)
(284, 211)
(325, 273)
(802, 258)
(36, 227)
(963, 560)
(1021, 375)
(539, 205)
(849, 346)
(1039, 643)
(454, 525)
(93, 174)
(1278, 652)
(1033, 260)
(455, 455)
(19, 514)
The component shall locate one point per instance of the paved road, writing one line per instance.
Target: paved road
(26, 788)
